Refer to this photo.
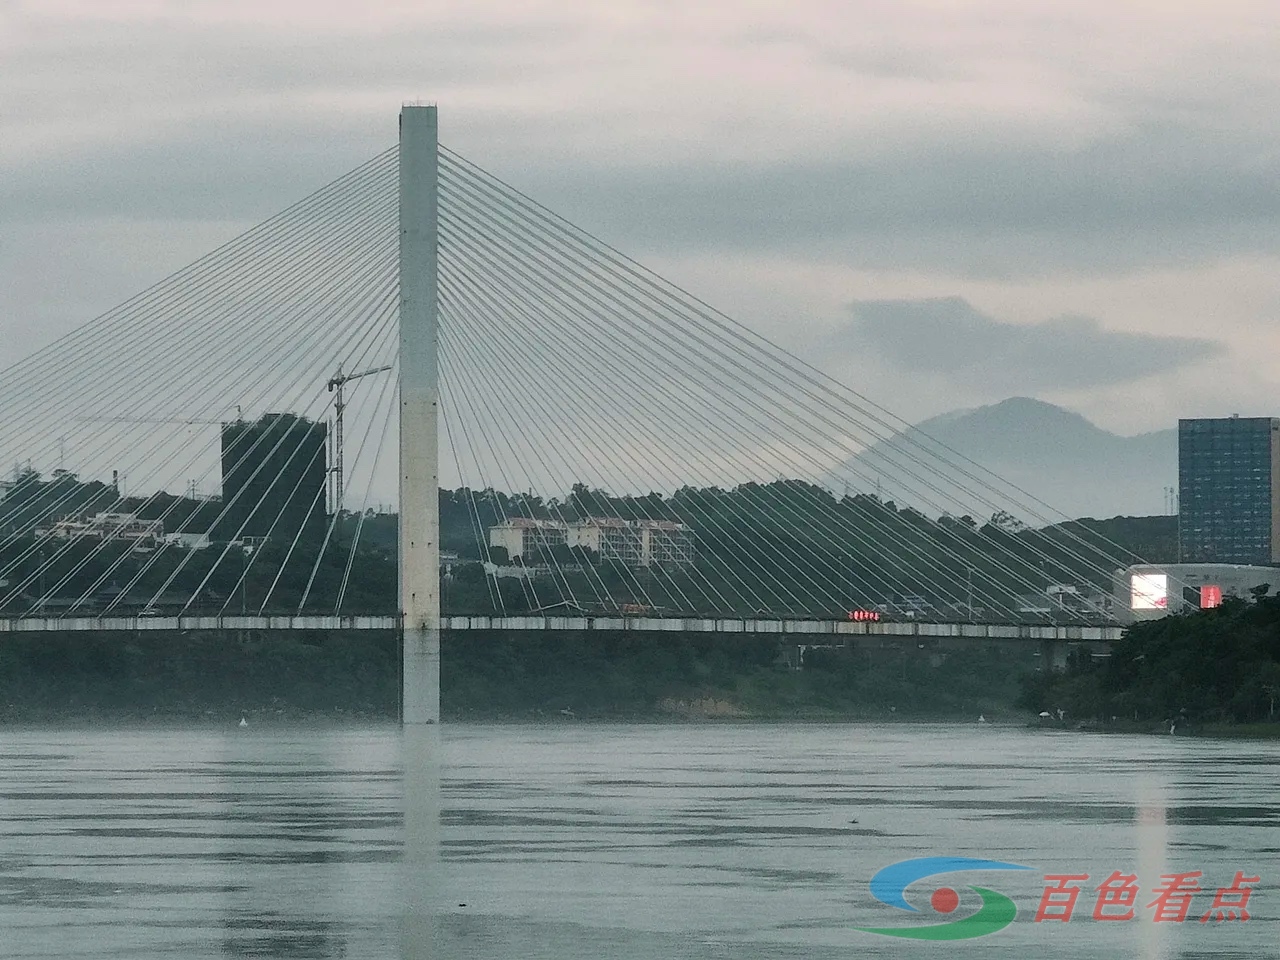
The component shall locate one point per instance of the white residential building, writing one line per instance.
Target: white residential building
(523, 537)
(144, 534)
(636, 543)
(187, 541)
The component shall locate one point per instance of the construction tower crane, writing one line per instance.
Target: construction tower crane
(336, 384)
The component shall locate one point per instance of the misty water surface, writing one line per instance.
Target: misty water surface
(593, 841)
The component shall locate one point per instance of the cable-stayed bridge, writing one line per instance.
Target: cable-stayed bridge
(615, 453)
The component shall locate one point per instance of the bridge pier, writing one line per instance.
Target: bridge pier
(419, 545)
(419, 536)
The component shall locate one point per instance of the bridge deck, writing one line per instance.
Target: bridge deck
(798, 628)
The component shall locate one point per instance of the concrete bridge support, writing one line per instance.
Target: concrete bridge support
(419, 545)
(419, 401)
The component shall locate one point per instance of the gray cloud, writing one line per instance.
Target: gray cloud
(1163, 194)
(1051, 161)
(1156, 196)
(240, 124)
(982, 211)
(948, 337)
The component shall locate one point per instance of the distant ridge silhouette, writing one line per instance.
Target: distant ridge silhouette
(1052, 453)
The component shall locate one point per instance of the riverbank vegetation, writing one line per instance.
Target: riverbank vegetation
(493, 676)
(1211, 671)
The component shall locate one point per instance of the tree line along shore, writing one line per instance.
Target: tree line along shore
(1212, 671)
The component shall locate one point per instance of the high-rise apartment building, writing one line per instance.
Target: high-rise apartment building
(1229, 490)
(274, 477)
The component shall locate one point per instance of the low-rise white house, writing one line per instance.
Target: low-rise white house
(636, 543)
(145, 535)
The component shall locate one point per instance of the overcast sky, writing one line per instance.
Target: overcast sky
(943, 203)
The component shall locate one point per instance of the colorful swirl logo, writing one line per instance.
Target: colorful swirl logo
(889, 886)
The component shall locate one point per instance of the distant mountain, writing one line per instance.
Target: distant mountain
(1055, 455)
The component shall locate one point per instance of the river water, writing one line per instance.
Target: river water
(582, 842)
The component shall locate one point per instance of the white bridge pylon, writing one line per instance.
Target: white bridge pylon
(419, 536)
